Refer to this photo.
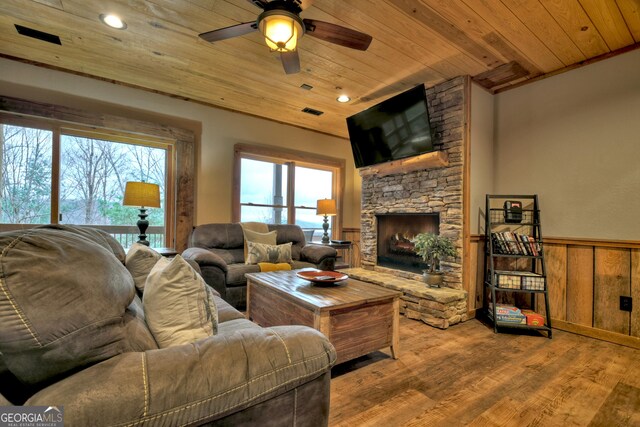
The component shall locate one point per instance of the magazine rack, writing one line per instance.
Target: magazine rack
(515, 267)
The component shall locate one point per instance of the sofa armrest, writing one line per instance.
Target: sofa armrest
(204, 258)
(193, 383)
(316, 254)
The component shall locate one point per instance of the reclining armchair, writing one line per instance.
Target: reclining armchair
(219, 251)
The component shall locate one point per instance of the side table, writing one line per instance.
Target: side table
(347, 252)
(166, 252)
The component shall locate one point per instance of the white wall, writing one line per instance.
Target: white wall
(574, 139)
(482, 154)
(218, 130)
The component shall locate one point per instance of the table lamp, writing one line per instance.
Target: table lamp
(145, 195)
(326, 207)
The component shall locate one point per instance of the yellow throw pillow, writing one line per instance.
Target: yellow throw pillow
(178, 305)
(269, 266)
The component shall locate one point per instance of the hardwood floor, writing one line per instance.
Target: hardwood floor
(467, 375)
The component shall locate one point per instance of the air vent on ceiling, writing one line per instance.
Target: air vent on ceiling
(312, 111)
(40, 35)
(306, 86)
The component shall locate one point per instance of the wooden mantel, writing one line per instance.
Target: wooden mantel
(434, 159)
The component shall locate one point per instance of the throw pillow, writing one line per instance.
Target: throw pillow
(178, 305)
(259, 252)
(257, 237)
(269, 266)
(139, 261)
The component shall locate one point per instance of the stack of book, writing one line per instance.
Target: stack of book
(507, 242)
(508, 314)
(533, 318)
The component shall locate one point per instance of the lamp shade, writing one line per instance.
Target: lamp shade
(326, 207)
(142, 194)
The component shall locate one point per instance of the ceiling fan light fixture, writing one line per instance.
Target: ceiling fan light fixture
(281, 30)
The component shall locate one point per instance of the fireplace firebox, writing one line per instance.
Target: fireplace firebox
(394, 235)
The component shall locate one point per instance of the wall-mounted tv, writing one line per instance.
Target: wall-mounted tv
(394, 129)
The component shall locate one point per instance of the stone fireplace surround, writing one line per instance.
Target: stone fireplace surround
(429, 191)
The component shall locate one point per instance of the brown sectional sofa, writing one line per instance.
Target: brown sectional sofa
(73, 334)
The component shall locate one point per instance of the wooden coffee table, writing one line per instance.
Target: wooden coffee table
(357, 317)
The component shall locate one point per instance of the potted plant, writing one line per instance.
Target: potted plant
(433, 248)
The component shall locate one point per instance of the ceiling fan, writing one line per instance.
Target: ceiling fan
(281, 25)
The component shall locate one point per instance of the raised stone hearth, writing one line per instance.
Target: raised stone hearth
(438, 307)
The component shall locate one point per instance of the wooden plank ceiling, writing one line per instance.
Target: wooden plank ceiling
(498, 42)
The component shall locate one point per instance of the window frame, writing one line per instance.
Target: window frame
(180, 145)
(291, 158)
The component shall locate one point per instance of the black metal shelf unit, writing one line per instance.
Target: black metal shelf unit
(512, 235)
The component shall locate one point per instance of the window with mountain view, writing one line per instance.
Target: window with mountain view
(281, 191)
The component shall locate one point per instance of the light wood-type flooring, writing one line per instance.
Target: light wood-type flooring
(467, 375)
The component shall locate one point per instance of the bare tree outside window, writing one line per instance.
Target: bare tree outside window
(25, 182)
(93, 175)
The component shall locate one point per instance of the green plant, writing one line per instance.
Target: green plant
(432, 248)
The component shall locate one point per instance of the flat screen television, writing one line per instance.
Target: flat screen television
(394, 129)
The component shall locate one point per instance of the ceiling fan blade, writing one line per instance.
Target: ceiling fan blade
(229, 32)
(260, 3)
(290, 62)
(337, 34)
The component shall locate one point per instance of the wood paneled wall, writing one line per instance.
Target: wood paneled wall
(585, 280)
(353, 234)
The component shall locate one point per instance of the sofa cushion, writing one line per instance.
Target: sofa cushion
(139, 261)
(197, 383)
(290, 233)
(236, 272)
(259, 252)
(297, 265)
(63, 300)
(100, 237)
(233, 326)
(179, 306)
(221, 236)
(226, 312)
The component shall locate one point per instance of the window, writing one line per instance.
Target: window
(25, 186)
(282, 187)
(77, 176)
(263, 191)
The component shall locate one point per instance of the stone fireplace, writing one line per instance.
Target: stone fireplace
(394, 234)
(432, 194)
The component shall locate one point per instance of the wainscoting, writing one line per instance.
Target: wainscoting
(586, 279)
(353, 234)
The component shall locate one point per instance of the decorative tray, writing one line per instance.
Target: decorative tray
(322, 277)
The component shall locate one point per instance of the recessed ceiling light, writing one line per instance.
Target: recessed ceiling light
(113, 21)
(343, 98)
